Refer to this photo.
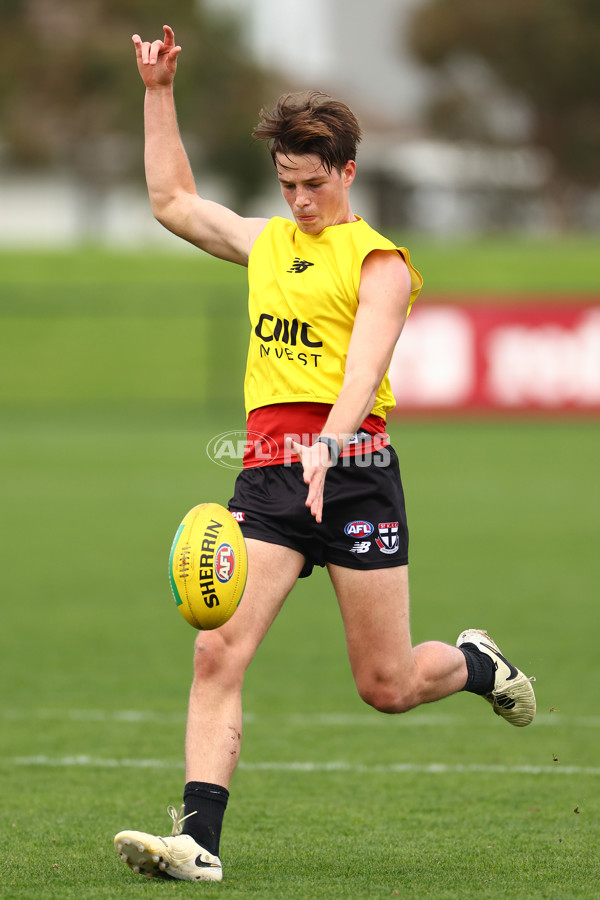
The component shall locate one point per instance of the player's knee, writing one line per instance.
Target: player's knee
(387, 695)
(209, 655)
(218, 659)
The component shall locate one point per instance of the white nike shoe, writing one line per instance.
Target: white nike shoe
(512, 696)
(178, 856)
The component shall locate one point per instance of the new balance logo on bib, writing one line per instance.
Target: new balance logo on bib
(299, 266)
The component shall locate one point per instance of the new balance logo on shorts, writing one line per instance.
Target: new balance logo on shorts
(360, 547)
(388, 541)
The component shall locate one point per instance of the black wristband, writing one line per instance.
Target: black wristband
(333, 447)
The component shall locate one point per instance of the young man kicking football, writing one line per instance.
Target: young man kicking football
(328, 298)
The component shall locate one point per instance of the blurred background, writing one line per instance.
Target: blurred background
(481, 153)
(477, 119)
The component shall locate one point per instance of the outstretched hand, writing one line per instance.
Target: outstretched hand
(315, 461)
(157, 61)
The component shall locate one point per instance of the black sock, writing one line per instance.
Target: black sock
(207, 802)
(480, 668)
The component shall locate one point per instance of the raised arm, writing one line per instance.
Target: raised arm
(173, 196)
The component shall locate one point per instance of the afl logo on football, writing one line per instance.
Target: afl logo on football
(224, 563)
(358, 529)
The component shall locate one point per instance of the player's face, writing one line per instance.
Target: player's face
(316, 197)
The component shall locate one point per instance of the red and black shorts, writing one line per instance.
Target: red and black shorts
(364, 518)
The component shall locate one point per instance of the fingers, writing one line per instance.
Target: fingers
(294, 447)
(156, 47)
(314, 501)
(314, 474)
(169, 43)
(148, 52)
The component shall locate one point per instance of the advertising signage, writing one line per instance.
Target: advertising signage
(491, 357)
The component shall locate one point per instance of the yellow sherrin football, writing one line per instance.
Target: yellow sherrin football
(208, 566)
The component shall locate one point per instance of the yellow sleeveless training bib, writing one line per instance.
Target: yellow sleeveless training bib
(303, 298)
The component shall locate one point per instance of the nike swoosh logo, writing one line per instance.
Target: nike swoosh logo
(513, 672)
(205, 865)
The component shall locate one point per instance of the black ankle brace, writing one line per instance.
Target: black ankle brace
(205, 805)
(480, 668)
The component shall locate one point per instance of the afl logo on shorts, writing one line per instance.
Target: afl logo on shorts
(224, 563)
(358, 529)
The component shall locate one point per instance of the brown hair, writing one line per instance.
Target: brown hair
(311, 122)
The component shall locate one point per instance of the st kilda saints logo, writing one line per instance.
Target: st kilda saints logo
(388, 541)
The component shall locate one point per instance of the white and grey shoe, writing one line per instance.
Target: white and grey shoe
(512, 696)
(178, 856)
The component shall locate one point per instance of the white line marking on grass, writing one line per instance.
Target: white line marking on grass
(95, 715)
(420, 768)
(122, 716)
(95, 762)
(324, 720)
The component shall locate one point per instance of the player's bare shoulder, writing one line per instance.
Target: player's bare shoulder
(384, 273)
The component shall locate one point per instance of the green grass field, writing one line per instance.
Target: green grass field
(116, 372)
